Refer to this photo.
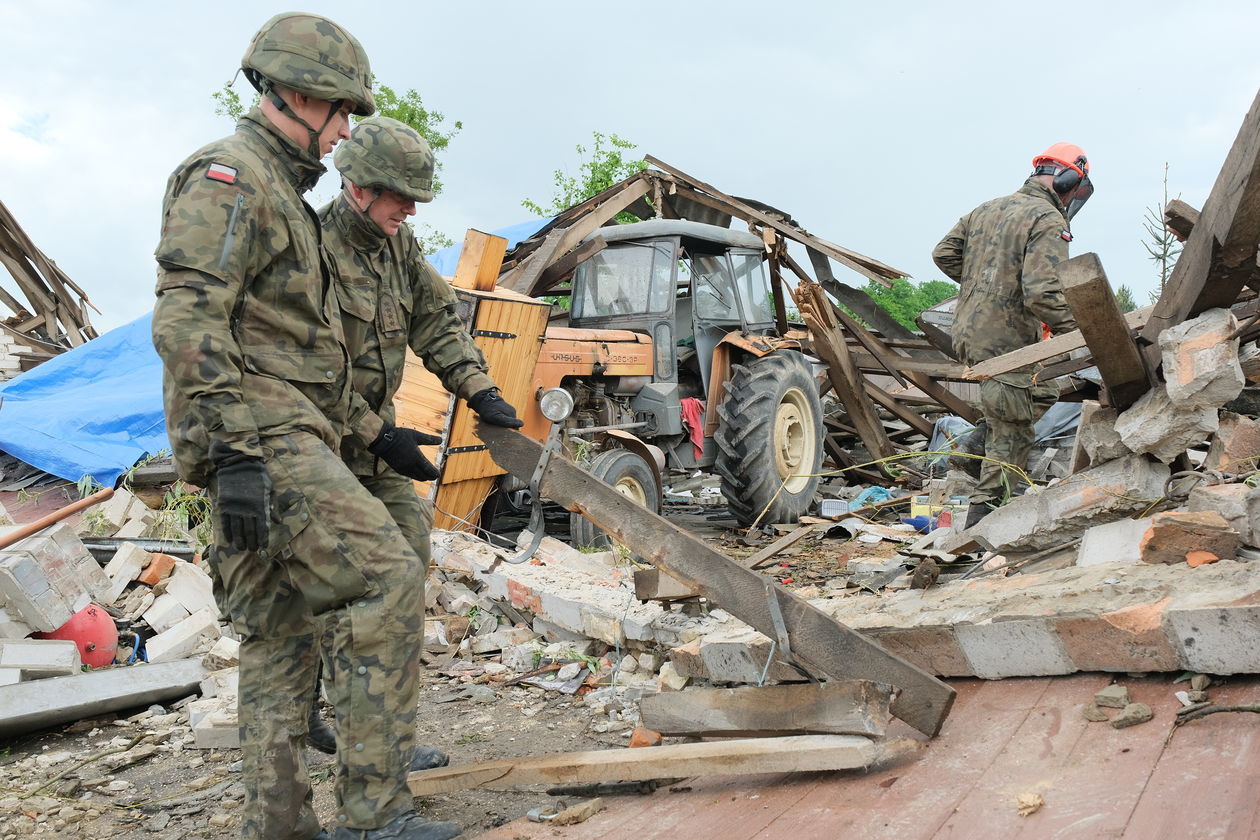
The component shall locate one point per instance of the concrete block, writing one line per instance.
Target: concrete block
(40, 658)
(1132, 639)
(61, 557)
(190, 586)
(1235, 447)
(1098, 436)
(12, 627)
(739, 656)
(1174, 534)
(10, 676)
(555, 633)
(1200, 360)
(225, 682)
(502, 639)
(669, 679)
(84, 574)
(124, 567)
(1162, 428)
(26, 590)
(1218, 639)
(105, 519)
(214, 723)
(559, 610)
(165, 613)
(1230, 501)
(198, 630)
(139, 521)
(1115, 542)
(1014, 648)
(1057, 514)
(226, 653)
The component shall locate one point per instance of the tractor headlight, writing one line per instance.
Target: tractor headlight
(556, 404)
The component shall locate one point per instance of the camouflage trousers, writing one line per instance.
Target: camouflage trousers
(413, 515)
(338, 560)
(1012, 403)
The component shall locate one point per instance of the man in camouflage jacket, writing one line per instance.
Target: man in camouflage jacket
(392, 299)
(258, 399)
(1005, 254)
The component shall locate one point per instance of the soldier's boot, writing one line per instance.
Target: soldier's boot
(427, 758)
(971, 443)
(406, 827)
(319, 735)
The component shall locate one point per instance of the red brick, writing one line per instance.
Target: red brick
(642, 737)
(1174, 534)
(934, 649)
(160, 565)
(1131, 639)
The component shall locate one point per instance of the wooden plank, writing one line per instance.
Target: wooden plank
(1220, 255)
(838, 707)
(891, 404)
(1106, 334)
(796, 754)
(654, 585)
(856, 299)
(1048, 349)
(866, 266)
(560, 270)
(479, 261)
(817, 640)
(760, 558)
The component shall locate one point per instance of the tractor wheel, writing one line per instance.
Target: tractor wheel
(630, 476)
(770, 436)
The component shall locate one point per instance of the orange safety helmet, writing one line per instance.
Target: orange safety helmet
(1070, 168)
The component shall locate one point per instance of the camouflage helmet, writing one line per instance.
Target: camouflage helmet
(313, 56)
(385, 154)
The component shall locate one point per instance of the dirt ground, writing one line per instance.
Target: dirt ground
(177, 791)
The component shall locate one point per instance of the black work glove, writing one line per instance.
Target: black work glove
(494, 409)
(398, 448)
(242, 499)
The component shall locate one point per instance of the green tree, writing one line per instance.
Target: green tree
(407, 108)
(1124, 297)
(599, 167)
(1161, 245)
(905, 300)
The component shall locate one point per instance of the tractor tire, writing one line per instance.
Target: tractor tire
(770, 435)
(630, 476)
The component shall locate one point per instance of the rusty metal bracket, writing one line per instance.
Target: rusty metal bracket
(537, 523)
(782, 644)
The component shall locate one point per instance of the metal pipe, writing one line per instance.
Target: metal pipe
(594, 430)
(53, 518)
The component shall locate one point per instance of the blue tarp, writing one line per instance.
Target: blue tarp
(97, 409)
(94, 410)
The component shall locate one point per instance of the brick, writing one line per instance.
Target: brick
(105, 519)
(214, 723)
(1217, 639)
(226, 653)
(40, 658)
(1115, 542)
(26, 590)
(934, 649)
(10, 676)
(139, 520)
(225, 682)
(199, 629)
(1013, 648)
(61, 557)
(165, 613)
(1174, 534)
(11, 626)
(1195, 559)
(160, 565)
(1235, 447)
(190, 586)
(124, 567)
(669, 679)
(1129, 639)
(1201, 361)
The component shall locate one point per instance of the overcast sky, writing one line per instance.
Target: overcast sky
(876, 125)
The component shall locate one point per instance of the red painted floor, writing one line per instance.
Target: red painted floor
(1002, 739)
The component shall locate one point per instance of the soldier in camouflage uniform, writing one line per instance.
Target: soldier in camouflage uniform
(391, 298)
(1005, 255)
(258, 399)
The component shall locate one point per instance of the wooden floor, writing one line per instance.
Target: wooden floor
(1003, 738)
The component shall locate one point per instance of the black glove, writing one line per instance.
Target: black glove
(398, 448)
(494, 409)
(242, 500)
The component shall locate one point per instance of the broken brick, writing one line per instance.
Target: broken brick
(1175, 534)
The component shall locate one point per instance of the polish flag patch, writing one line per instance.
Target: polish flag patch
(219, 172)
(1067, 237)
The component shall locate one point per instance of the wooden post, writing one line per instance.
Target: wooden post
(479, 261)
(816, 639)
(1106, 334)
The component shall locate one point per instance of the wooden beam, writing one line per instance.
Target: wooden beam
(829, 344)
(562, 268)
(816, 639)
(867, 267)
(763, 557)
(856, 299)
(1048, 349)
(937, 369)
(479, 261)
(1106, 334)
(892, 405)
(1220, 255)
(654, 585)
(1180, 219)
(799, 753)
(838, 707)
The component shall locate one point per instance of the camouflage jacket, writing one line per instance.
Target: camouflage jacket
(392, 299)
(245, 321)
(1004, 253)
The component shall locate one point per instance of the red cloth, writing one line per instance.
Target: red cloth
(693, 419)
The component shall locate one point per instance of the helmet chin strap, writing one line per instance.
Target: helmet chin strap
(362, 211)
(313, 135)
